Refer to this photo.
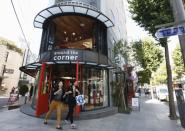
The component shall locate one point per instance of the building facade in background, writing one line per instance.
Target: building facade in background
(77, 44)
(10, 60)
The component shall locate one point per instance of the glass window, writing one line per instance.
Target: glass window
(95, 88)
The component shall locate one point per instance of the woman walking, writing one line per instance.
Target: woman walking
(56, 103)
(71, 94)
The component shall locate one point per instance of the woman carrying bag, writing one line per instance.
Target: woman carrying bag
(71, 94)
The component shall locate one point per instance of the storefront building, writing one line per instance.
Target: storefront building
(77, 41)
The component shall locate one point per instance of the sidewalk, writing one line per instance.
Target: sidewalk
(153, 116)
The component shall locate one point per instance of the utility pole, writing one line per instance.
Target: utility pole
(179, 15)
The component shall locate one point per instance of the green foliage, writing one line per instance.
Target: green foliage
(178, 62)
(121, 48)
(23, 90)
(144, 77)
(118, 97)
(115, 92)
(160, 76)
(149, 56)
(149, 13)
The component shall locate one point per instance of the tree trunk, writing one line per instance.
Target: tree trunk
(172, 109)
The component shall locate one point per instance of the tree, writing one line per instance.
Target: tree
(159, 77)
(118, 86)
(149, 56)
(122, 49)
(178, 62)
(148, 14)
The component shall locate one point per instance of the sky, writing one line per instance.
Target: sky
(27, 10)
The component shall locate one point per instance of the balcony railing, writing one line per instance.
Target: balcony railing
(76, 3)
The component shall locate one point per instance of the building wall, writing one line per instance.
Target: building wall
(115, 10)
(12, 72)
(2, 57)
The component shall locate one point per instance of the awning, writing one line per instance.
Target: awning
(32, 68)
(72, 8)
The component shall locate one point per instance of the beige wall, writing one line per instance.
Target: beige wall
(13, 62)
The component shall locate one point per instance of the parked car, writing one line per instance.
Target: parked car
(147, 91)
(162, 93)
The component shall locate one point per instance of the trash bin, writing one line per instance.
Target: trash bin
(181, 106)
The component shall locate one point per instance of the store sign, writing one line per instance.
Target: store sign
(135, 103)
(166, 32)
(67, 55)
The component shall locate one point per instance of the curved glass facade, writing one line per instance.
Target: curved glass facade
(74, 32)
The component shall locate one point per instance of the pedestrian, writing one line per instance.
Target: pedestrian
(26, 97)
(71, 94)
(12, 90)
(56, 103)
(31, 92)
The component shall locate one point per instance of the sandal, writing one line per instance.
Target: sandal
(45, 122)
(58, 127)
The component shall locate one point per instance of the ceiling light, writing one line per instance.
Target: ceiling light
(73, 33)
(65, 32)
(82, 24)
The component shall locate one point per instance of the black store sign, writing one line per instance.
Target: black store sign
(67, 55)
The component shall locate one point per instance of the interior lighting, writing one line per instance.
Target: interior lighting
(102, 65)
(110, 67)
(91, 63)
(68, 78)
(82, 24)
(73, 33)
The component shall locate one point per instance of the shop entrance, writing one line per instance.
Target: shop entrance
(49, 75)
(92, 81)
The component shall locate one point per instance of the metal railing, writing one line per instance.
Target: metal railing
(76, 3)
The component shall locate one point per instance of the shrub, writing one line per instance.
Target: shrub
(23, 89)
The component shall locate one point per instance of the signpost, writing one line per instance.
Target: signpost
(171, 31)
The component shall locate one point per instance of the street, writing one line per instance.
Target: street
(153, 116)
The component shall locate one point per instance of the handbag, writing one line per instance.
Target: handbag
(80, 100)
